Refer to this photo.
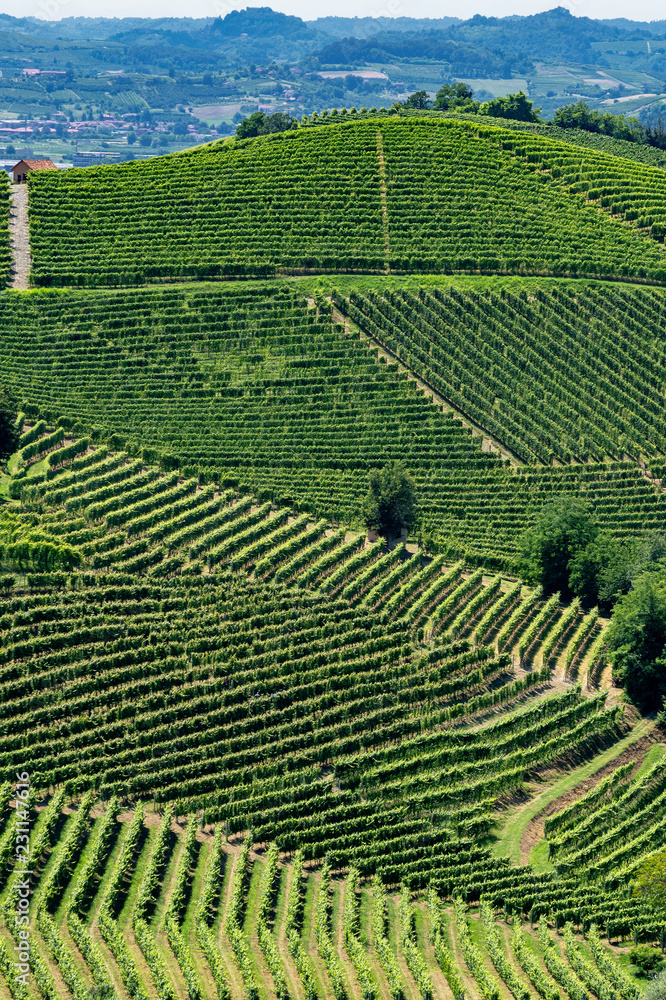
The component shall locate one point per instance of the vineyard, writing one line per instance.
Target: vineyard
(147, 904)
(275, 398)
(189, 630)
(5, 255)
(507, 360)
(251, 750)
(351, 198)
(650, 156)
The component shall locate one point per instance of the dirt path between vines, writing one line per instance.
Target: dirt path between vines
(313, 950)
(234, 978)
(19, 237)
(279, 925)
(635, 752)
(337, 933)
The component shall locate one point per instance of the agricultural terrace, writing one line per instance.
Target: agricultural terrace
(150, 904)
(561, 372)
(189, 630)
(275, 397)
(650, 156)
(350, 197)
(269, 757)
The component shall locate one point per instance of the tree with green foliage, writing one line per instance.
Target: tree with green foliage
(515, 106)
(563, 529)
(263, 124)
(636, 640)
(650, 880)
(390, 504)
(9, 435)
(456, 96)
(655, 132)
(603, 570)
(419, 100)
(581, 115)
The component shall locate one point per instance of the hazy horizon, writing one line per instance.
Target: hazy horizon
(642, 10)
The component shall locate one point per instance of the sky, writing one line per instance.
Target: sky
(644, 10)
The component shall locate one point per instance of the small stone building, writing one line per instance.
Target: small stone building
(24, 167)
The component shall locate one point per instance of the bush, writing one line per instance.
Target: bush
(656, 990)
(645, 957)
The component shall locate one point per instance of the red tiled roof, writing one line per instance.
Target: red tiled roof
(37, 164)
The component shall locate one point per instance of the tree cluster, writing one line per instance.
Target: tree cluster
(581, 115)
(566, 551)
(514, 106)
(459, 97)
(263, 124)
(637, 641)
(455, 96)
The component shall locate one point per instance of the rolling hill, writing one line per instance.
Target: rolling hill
(382, 194)
(256, 753)
(254, 386)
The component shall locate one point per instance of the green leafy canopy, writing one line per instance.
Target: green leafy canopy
(390, 503)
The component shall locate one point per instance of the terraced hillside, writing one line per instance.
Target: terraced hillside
(650, 156)
(260, 755)
(149, 579)
(372, 709)
(256, 387)
(560, 372)
(147, 904)
(351, 197)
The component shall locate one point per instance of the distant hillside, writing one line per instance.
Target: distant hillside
(555, 32)
(465, 58)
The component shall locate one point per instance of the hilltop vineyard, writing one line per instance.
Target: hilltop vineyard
(312, 201)
(527, 224)
(352, 197)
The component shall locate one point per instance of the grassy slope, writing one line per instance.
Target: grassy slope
(517, 820)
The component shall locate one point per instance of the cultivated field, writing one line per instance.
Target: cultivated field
(268, 755)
